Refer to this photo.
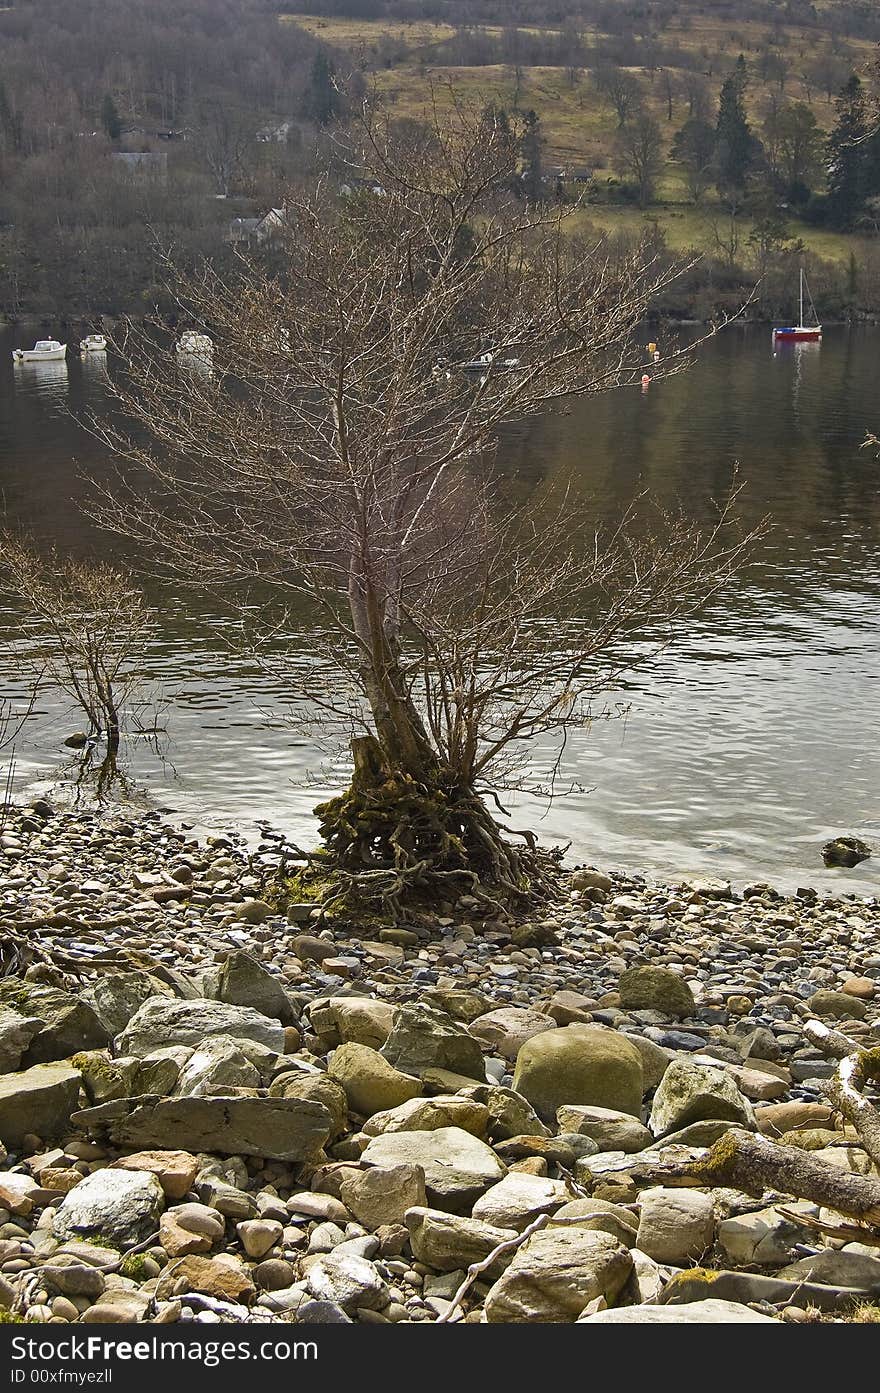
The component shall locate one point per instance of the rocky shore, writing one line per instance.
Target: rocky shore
(215, 1112)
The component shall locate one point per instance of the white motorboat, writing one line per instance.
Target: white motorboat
(198, 344)
(43, 351)
(93, 343)
(485, 361)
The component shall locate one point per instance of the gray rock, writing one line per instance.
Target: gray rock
(450, 1242)
(39, 1100)
(68, 1022)
(691, 1092)
(613, 1131)
(280, 1129)
(518, 1199)
(676, 1225)
(384, 1194)
(711, 1312)
(122, 1207)
(510, 1115)
(764, 1238)
(214, 1067)
(656, 989)
(837, 1269)
(427, 1114)
(425, 1038)
(555, 1274)
(347, 1281)
(16, 1033)
(505, 1030)
(118, 995)
(162, 1021)
(585, 1064)
(457, 1166)
(245, 982)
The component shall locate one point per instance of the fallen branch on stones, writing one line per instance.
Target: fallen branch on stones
(849, 1233)
(753, 1164)
(509, 1245)
(856, 1069)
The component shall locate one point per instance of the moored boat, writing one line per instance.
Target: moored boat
(195, 343)
(43, 351)
(93, 343)
(485, 361)
(800, 332)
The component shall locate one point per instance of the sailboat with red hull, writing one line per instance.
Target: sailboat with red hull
(801, 332)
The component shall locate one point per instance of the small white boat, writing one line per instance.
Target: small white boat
(93, 343)
(489, 360)
(43, 351)
(198, 344)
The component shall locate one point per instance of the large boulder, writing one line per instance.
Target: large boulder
(457, 1166)
(579, 1064)
(118, 995)
(163, 1021)
(675, 1225)
(656, 989)
(610, 1130)
(383, 1195)
(427, 1114)
(691, 1092)
(348, 1280)
(504, 1031)
(518, 1199)
(424, 1038)
(280, 1129)
(555, 1274)
(358, 1019)
(16, 1033)
(245, 982)
(39, 1101)
(120, 1206)
(451, 1242)
(509, 1113)
(68, 1022)
(215, 1067)
(371, 1084)
(319, 1088)
(711, 1312)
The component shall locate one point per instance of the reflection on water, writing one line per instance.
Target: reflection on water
(745, 746)
(46, 383)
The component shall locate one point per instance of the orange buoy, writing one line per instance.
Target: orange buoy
(652, 348)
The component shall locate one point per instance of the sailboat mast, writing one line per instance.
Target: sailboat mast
(801, 320)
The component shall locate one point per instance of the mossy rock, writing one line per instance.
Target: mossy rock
(586, 1064)
(656, 989)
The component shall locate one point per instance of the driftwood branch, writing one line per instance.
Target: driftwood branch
(509, 1245)
(753, 1164)
(856, 1069)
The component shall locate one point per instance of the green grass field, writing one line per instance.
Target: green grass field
(579, 128)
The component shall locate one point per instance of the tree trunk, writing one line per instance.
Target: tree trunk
(751, 1163)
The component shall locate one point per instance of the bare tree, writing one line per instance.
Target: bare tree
(620, 90)
(91, 625)
(225, 139)
(340, 456)
(640, 151)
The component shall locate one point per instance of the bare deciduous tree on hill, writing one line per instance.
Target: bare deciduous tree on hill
(339, 452)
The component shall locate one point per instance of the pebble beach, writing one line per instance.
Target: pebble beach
(214, 1111)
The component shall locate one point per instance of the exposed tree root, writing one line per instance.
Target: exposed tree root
(394, 844)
